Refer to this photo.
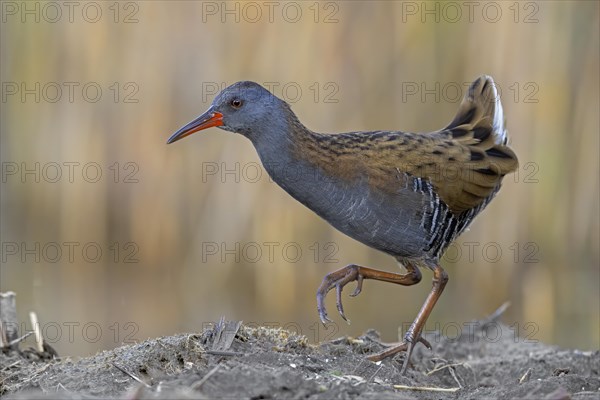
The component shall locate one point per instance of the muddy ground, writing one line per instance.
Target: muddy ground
(234, 361)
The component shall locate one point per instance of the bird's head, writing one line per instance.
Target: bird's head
(244, 107)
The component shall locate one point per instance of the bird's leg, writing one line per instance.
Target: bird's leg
(340, 278)
(413, 335)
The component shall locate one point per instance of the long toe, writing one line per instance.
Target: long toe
(396, 348)
(338, 302)
(402, 346)
(321, 306)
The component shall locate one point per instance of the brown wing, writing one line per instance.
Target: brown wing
(467, 160)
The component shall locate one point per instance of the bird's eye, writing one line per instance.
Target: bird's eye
(236, 103)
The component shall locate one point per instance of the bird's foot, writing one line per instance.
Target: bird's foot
(338, 279)
(406, 345)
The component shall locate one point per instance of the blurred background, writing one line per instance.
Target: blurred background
(111, 236)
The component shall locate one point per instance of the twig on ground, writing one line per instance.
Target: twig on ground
(436, 369)
(358, 365)
(426, 389)
(525, 376)
(453, 373)
(372, 377)
(20, 339)
(135, 378)
(39, 339)
(493, 317)
(224, 353)
(198, 384)
(35, 374)
(443, 365)
(73, 394)
(11, 365)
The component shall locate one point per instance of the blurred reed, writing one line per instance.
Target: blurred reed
(545, 220)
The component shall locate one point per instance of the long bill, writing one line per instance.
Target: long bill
(207, 120)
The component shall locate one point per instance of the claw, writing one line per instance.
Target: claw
(324, 318)
(425, 343)
(338, 302)
(321, 308)
(359, 282)
(337, 280)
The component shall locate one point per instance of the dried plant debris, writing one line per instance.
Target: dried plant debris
(233, 360)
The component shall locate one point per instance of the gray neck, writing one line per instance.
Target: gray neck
(275, 142)
(276, 146)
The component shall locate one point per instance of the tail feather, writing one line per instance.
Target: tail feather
(480, 124)
(480, 150)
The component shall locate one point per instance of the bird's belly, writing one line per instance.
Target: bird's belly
(390, 222)
(387, 222)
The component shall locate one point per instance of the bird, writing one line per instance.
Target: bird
(409, 195)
